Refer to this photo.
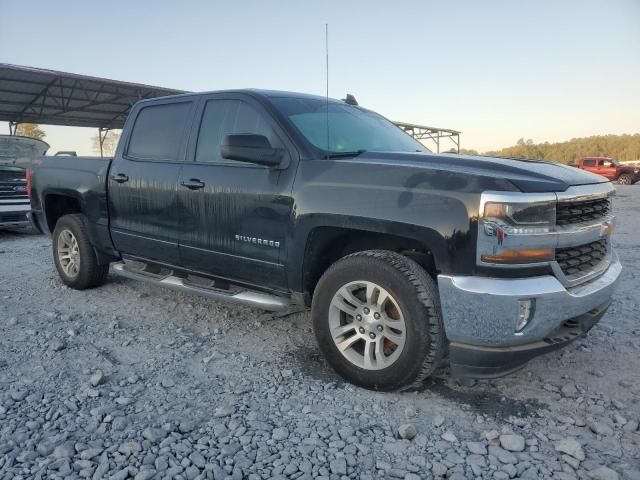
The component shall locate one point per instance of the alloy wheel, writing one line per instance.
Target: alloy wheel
(367, 325)
(68, 253)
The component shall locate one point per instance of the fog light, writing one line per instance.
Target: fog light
(526, 309)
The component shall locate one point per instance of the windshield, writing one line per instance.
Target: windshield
(352, 130)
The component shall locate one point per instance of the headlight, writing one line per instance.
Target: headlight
(510, 231)
(519, 218)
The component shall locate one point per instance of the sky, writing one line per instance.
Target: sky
(498, 70)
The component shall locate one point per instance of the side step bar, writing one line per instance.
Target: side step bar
(263, 301)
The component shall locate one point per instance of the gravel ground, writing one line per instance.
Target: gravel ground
(133, 381)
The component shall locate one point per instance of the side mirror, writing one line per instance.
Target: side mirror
(250, 148)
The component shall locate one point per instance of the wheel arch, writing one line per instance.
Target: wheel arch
(325, 244)
(58, 203)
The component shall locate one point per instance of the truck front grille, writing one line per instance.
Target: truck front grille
(581, 211)
(578, 261)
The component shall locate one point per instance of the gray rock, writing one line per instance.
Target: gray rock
(338, 466)
(45, 447)
(513, 443)
(197, 459)
(570, 446)
(438, 469)
(477, 448)
(407, 431)
(600, 428)
(192, 472)
(449, 437)
(90, 453)
(477, 460)
(154, 435)
(224, 411)
(145, 474)
(57, 345)
(630, 426)
(121, 474)
(129, 448)
(187, 426)
(569, 390)
(100, 471)
(438, 420)
(18, 395)
(97, 378)
(502, 455)
(66, 450)
(279, 434)
(603, 473)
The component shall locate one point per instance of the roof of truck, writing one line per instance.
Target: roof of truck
(255, 92)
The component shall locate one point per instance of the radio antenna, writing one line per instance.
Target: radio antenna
(326, 48)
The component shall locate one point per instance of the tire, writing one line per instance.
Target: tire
(412, 299)
(625, 179)
(71, 231)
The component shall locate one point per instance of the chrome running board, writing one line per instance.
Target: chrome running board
(263, 301)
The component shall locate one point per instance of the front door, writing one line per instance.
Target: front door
(235, 216)
(606, 168)
(143, 182)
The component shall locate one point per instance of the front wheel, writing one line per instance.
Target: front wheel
(625, 179)
(74, 256)
(376, 316)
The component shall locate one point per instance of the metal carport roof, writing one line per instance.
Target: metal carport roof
(49, 97)
(36, 95)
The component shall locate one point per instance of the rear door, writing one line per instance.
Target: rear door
(235, 215)
(143, 181)
(590, 165)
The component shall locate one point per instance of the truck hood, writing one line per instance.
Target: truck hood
(17, 150)
(526, 175)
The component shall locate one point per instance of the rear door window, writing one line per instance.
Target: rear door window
(228, 117)
(589, 163)
(158, 132)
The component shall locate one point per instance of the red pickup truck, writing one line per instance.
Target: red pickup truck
(610, 168)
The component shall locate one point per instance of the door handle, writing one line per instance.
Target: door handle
(120, 178)
(192, 184)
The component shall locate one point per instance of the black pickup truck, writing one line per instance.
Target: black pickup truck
(408, 259)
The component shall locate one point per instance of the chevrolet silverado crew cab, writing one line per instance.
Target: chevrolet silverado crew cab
(408, 259)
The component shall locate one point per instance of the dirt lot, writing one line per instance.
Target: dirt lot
(130, 380)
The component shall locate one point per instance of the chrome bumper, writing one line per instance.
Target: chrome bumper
(14, 215)
(483, 311)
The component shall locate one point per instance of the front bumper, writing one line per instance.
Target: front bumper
(488, 362)
(12, 216)
(480, 316)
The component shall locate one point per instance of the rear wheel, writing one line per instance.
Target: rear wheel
(625, 179)
(74, 256)
(376, 317)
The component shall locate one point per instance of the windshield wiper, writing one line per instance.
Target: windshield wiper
(345, 154)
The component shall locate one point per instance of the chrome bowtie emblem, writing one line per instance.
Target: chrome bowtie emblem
(606, 229)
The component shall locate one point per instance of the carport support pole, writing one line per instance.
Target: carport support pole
(101, 138)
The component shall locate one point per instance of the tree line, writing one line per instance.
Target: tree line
(620, 147)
